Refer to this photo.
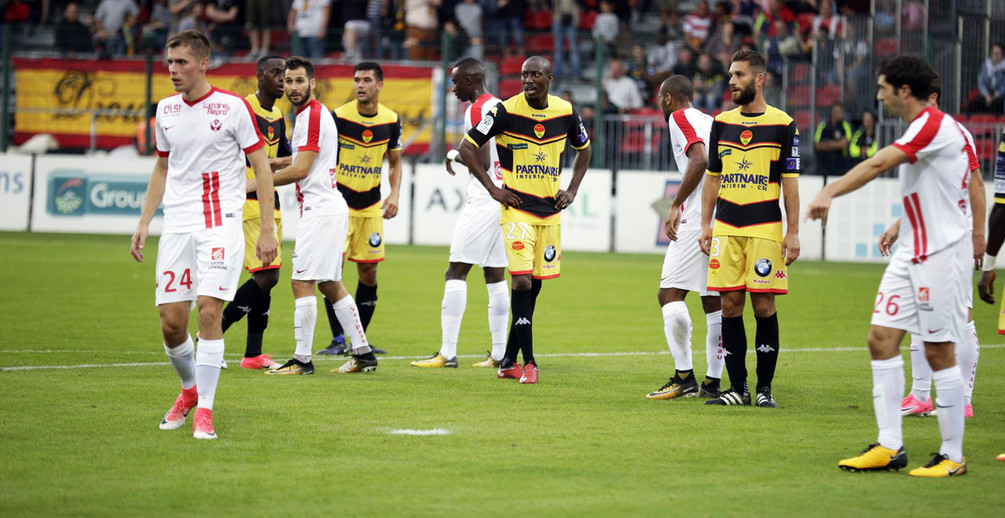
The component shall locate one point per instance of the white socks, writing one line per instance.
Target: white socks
(455, 298)
(713, 345)
(305, 315)
(921, 372)
(887, 386)
(183, 360)
(498, 317)
(949, 400)
(207, 370)
(677, 328)
(348, 317)
(967, 354)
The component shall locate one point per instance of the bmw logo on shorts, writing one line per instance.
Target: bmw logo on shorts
(375, 239)
(549, 253)
(762, 267)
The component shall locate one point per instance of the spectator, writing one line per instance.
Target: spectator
(108, 21)
(744, 14)
(508, 21)
(565, 20)
(667, 8)
(309, 18)
(662, 57)
(378, 12)
(421, 25)
(196, 20)
(470, 15)
(641, 72)
(697, 25)
(621, 89)
(606, 26)
(685, 65)
(355, 28)
(225, 24)
(864, 143)
(831, 143)
(724, 43)
(180, 10)
(709, 84)
(991, 83)
(159, 23)
(71, 35)
(914, 16)
(827, 21)
(131, 31)
(781, 47)
(674, 28)
(855, 68)
(258, 20)
(764, 26)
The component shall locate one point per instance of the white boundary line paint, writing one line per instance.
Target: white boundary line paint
(409, 431)
(342, 358)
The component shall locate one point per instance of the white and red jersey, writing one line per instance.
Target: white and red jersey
(315, 131)
(476, 193)
(973, 164)
(933, 184)
(205, 142)
(689, 126)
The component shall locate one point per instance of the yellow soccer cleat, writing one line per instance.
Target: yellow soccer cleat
(675, 388)
(940, 466)
(1001, 457)
(292, 367)
(436, 361)
(876, 458)
(487, 363)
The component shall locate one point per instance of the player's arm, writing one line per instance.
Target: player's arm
(580, 141)
(284, 154)
(296, 171)
(790, 196)
(996, 236)
(478, 137)
(697, 162)
(978, 204)
(267, 245)
(152, 200)
(710, 189)
(390, 204)
(455, 156)
(887, 158)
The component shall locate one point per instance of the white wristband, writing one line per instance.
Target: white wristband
(453, 154)
(989, 263)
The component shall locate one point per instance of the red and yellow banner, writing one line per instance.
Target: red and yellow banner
(58, 96)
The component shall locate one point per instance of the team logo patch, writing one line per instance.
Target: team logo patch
(486, 124)
(780, 275)
(374, 239)
(791, 164)
(795, 151)
(549, 253)
(539, 130)
(714, 264)
(216, 254)
(215, 125)
(762, 267)
(746, 136)
(923, 294)
(272, 133)
(795, 139)
(367, 136)
(517, 245)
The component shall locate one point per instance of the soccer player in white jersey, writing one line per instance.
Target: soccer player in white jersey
(324, 220)
(923, 288)
(203, 135)
(685, 267)
(477, 236)
(918, 401)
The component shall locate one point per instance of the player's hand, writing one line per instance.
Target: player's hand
(266, 247)
(819, 207)
(449, 168)
(390, 205)
(672, 222)
(886, 241)
(986, 286)
(138, 241)
(505, 197)
(564, 198)
(790, 247)
(705, 239)
(980, 246)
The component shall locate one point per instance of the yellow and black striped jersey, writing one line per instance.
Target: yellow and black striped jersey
(363, 141)
(751, 153)
(272, 126)
(530, 144)
(1000, 171)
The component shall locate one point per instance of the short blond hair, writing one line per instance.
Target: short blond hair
(196, 41)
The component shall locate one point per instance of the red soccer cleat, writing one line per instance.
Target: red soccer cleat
(529, 374)
(175, 417)
(513, 372)
(202, 424)
(262, 361)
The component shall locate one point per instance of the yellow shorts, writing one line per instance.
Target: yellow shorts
(533, 249)
(753, 264)
(251, 230)
(1001, 318)
(364, 242)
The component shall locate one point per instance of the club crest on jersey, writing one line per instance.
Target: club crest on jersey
(923, 294)
(216, 254)
(746, 136)
(374, 239)
(549, 253)
(517, 245)
(272, 132)
(762, 267)
(367, 136)
(539, 130)
(215, 125)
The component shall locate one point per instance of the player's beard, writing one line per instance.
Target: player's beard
(303, 100)
(746, 95)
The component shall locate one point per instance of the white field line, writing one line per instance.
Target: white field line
(409, 431)
(236, 364)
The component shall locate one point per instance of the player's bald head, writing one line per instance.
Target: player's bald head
(537, 63)
(677, 86)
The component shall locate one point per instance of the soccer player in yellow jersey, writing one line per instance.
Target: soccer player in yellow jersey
(254, 298)
(531, 130)
(996, 236)
(367, 131)
(753, 159)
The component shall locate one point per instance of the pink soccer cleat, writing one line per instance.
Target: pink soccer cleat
(914, 406)
(182, 406)
(529, 374)
(202, 424)
(514, 372)
(262, 361)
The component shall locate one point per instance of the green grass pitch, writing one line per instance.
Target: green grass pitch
(584, 441)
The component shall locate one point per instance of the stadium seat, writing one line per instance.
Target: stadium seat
(540, 43)
(799, 72)
(886, 46)
(511, 66)
(509, 87)
(587, 19)
(804, 120)
(800, 95)
(982, 124)
(828, 95)
(805, 21)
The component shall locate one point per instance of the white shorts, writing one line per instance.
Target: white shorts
(685, 267)
(478, 238)
(201, 263)
(926, 299)
(317, 253)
